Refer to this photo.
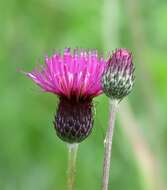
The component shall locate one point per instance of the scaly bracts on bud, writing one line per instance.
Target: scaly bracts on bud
(118, 76)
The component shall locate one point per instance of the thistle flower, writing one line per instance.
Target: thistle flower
(75, 79)
(118, 76)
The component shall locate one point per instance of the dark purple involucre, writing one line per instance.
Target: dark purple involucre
(74, 121)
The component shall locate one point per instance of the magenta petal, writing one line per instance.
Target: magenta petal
(71, 74)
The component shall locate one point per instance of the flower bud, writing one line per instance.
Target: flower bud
(118, 76)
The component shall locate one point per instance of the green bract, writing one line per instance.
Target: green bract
(118, 76)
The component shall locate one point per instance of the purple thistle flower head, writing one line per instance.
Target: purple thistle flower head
(76, 79)
(118, 76)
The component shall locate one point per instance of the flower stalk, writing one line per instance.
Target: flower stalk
(72, 155)
(108, 144)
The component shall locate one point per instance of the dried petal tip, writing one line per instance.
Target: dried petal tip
(118, 76)
(74, 120)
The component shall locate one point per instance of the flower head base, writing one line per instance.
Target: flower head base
(76, 79)
(74, 121)
(118, 76)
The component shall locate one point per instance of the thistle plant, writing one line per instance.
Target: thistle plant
(117, 82)
(76, 79)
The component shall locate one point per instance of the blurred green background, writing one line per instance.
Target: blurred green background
(31, 156)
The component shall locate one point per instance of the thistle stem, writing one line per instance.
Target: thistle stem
(108, 144)
(72, 154)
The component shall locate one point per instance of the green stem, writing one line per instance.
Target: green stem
(72, 154)
(108, 145)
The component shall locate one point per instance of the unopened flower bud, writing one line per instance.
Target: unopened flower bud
(118, 76)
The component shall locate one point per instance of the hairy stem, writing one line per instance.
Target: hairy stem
(72, 154)
(108, 145)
